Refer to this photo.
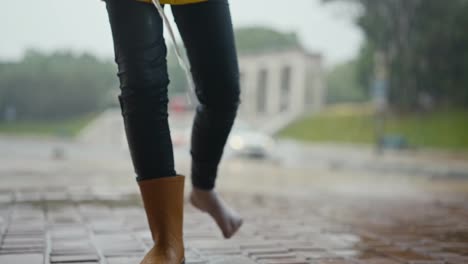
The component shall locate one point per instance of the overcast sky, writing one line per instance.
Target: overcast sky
(82, 25)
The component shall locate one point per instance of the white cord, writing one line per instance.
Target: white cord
(184, 64)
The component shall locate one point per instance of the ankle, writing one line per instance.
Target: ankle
(202, 192)
(203, 187)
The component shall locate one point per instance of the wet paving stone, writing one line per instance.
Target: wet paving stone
(74, 258)
(22, 259)
(83, 225)
(123, 260)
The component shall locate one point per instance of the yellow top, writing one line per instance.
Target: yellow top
(175, 2)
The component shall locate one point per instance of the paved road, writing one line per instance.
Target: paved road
(86, 225)
(108, 130)
(84, 208)
(301, 169)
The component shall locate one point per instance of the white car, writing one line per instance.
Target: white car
(246, 141)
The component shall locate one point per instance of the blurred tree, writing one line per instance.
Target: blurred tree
(424, 42)
(260, 39)
(56, 86)
(343, 84)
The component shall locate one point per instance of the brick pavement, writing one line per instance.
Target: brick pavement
(84, 225)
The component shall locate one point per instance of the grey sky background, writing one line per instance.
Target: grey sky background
(82, 25)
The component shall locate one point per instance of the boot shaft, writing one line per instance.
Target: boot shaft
(163, 201)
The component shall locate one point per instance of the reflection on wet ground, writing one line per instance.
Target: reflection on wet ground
(85, 225)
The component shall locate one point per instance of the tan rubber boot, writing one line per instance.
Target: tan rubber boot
(164, 205)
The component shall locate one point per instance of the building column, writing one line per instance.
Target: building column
(249, 92)
(274, 88)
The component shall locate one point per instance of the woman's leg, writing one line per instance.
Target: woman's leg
(141, 57)
(207, 32)
(140, 54)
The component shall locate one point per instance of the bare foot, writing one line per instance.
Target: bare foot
(209, 202)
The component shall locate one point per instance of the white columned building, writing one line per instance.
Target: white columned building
(280, 86)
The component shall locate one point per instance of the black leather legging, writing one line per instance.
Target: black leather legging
(140, 53)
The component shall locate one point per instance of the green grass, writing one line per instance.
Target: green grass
(441, 130)
(66, 128)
